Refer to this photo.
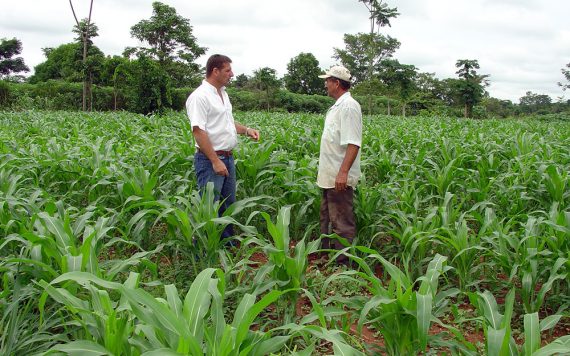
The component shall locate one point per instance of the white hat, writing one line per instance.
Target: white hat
(338, 72)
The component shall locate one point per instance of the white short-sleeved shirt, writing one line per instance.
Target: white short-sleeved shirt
(343, 126)
(206, 110)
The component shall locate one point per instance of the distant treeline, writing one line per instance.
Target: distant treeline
(61, 95)
(161, 73)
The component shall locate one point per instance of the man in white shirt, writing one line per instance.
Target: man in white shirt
(339, 160)
(215, 132)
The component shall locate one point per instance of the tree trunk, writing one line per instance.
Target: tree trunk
(404, 109)
(84, 72)
(114, 97)
(85, 36)
(90, 91)
(389, 108)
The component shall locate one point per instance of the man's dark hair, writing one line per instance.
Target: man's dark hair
(216, 61)
(344, 84)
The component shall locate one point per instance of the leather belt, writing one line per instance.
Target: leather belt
(219, 153)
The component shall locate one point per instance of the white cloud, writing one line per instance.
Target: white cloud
(522, 44)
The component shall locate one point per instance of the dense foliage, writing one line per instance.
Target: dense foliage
(9, 63)
(106, 246)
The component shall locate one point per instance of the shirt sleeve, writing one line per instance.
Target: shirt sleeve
(197, 110)
(351, 127)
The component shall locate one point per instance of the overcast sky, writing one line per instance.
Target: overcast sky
(521, 44)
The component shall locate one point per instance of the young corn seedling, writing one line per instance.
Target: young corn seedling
(498, 330)
(404, 310)
(286, 268)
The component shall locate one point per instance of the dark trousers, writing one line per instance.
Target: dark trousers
(224, 187)
(337, 216)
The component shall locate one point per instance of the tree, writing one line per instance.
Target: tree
(241, 81)
(364, 49)
(498, 107)
(171, 43)
(400, 78)
(144, 84)
(470, 89)
(303, 75)
(380, 15)
(566, 73)
(65, 63)
(265, 79)
(111, 77)
(535, 103)
(83, 29)
(8, 64)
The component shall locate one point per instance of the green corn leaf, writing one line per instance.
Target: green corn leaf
(560, 346)
(424, 315)
(56, 227)
(373, 303)
(73, 263)
(509, 307)
(155, 313)
(173, 299)
(216, 315)
(549, 322)
(270, 345)
(84, 278)
(249, 317)
(245, 304)
(496, 341)
(531, 333)
(490, 310)
(162, 352)
(82, 348)
(197, 302)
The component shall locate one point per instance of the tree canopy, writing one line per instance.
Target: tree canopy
(170, 41)
(470, 89)
(380, 13)
(8, 64)
(65, 63)
(303, 75)
(265, 79)
(365, 48)
(566, 73)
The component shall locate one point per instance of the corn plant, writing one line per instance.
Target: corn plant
(21, 330)
(97, 323)
(401, 313)
(465, 250)
(498, 330)
(194, 325)
(533, 294)
(286, 267)
(61, 241)
(556, 183)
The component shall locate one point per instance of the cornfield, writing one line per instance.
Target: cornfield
(108, 249)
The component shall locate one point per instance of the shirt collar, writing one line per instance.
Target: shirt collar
(212, 88)
(342, 98)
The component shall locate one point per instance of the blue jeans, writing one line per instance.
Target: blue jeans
(224, 187)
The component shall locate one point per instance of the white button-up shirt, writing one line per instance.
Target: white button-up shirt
(343, 126)
(206, 110)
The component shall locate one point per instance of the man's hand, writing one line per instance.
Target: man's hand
(341, 180)
(253, 133)
(220, 168)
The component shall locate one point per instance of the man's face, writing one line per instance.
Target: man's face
(331, 84)
(224, 74)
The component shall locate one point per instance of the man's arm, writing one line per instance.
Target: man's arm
(248, 131)
(342, 176)
(206, 147)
